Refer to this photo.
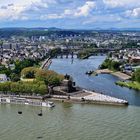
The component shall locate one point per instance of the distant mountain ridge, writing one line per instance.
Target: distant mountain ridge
(24, 28)
(41, 31)
(59, 29)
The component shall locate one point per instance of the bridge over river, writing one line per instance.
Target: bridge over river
(69, 53)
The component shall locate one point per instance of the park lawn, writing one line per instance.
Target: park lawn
(133, 84)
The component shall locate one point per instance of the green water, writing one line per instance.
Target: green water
(76, 121)
(70, 122)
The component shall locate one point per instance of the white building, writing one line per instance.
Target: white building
(3, 78)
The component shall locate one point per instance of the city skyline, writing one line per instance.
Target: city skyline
(70, 14)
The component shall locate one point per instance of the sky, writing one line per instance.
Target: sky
(70, 14)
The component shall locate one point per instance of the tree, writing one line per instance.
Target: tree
(19, 65)
(55, 52)
(136, 75)
(38, 86)
(42, 89)
(115, 65)
(5, 87)
(35, 87)
(4, 70)
(49, 77)
(14, 77)
(15, 87)
(1, 43)
(112, 65)
(106, 64)
(29, 72)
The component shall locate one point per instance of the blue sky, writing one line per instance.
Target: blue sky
(70, 14)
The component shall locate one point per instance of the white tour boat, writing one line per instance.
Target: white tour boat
(16, 100)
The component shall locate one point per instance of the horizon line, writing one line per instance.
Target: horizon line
(98, 28)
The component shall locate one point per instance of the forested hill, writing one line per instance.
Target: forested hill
(28, 32)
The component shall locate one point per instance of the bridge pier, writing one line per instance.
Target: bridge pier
(67, 56)
(72, 55)
(61, 56)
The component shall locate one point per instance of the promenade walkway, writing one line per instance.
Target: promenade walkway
(93, 97)
(103, 98)
(46, 64)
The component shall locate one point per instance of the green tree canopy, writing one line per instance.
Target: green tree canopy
(35, 87)
(49, 77)
(136, 75)
(29, 72)
(112, 65)
(19, 65)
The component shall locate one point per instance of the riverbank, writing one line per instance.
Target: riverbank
(104, 71)
(130, 84)
(119, 74)
(82, 96)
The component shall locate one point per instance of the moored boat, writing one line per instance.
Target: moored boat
(16, 100)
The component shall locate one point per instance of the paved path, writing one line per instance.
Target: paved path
(103, 98)
(94, 97)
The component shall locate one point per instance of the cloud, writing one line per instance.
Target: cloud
(21, 11)
(3, 7)
(72, 13)
(11, 12)
(133, 13)
(136, 12)
(102, 19)
(113, 3)
(85, 9)
(11, 4)
(51, 16)
(121, 3)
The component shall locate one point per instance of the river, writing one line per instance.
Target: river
(69, 121)
(104, 83)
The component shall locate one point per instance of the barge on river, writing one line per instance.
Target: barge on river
(24, 101)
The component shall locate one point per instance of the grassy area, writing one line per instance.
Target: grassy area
(134, 85)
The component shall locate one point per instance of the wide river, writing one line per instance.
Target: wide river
(104, 83)
(68, 121)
